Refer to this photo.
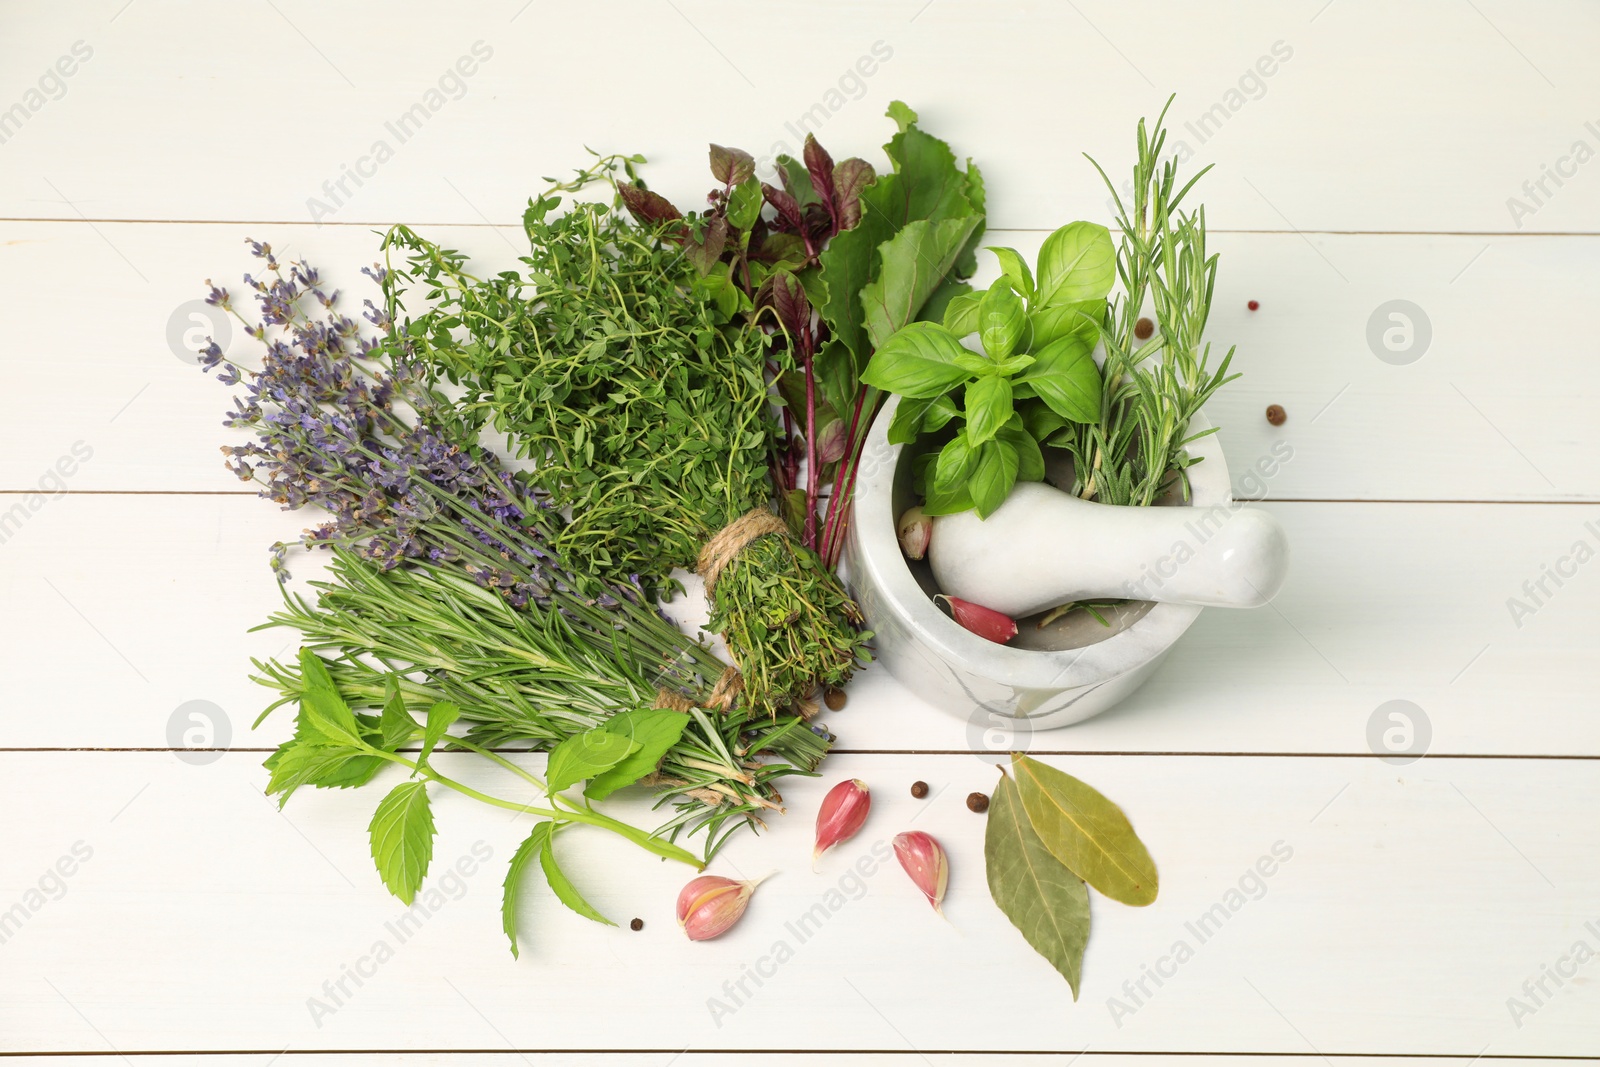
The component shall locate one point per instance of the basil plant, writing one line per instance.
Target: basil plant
(1029, 372)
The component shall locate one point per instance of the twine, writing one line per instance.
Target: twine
(729, 541)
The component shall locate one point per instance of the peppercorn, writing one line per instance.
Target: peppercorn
(1143, 328)
(1253, 305)
(919, 789)
(977, 802)
(637, 924)
(834, 698)
(1276, 415)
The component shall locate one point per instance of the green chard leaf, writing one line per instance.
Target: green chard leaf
(565, 891)
(1077, 262)
(1042, 898)
(586, 755)
(916, 261)
(402, 839)
(1086, 832)
(526, 853)
(655, 730)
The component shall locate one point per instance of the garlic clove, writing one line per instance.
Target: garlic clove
(843, 811)
(710, 904)
(915, 530)
(925, 861)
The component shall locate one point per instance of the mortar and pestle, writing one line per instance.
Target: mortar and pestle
(1041, 548)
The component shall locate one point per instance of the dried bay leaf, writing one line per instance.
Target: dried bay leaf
(1087, 832)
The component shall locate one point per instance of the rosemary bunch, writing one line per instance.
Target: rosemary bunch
(524, 678)
(1152, 388)
(645, 408)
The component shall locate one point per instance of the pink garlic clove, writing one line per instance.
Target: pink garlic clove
(710, 904)
(925, 861)
(843, 811)
(915, 530)
(985, 622)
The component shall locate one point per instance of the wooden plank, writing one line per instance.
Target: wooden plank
(1363, 116)
(127, 607)
(1495, 408)
(1406, 907)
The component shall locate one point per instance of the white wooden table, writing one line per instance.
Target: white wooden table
(1422, 903)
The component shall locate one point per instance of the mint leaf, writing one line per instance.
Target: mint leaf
(396, 726)
(440, 716)
(586, 755)
(324, 766)
(402, 839)
(325, 711)
(525, 854)
(655, 729)
(564, 890)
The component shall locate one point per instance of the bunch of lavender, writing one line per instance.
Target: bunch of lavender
(344, 423)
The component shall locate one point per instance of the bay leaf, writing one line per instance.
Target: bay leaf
(1045, 901)
(1087, 832)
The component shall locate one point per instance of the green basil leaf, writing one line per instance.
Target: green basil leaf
(1086, 832)
(1030, 458)
(586, 755)
(993, 475)
(988, 406)
(1014, 267)
(973, 363)
(525, 854)
(951, 500)
(906, 422)
(1013, 364)
(1064, 376)
(1079, 319)
(1042, 898)
(918, 361)
(1077, 262)
(1002, 321)
(564, 889)
(955, 462)
(396, 726)
(1040, 421)
(655, 729)
(325, 711)
(939, 412)
(402, 839)
(961, 314)
(744, 203)
(440, 717)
